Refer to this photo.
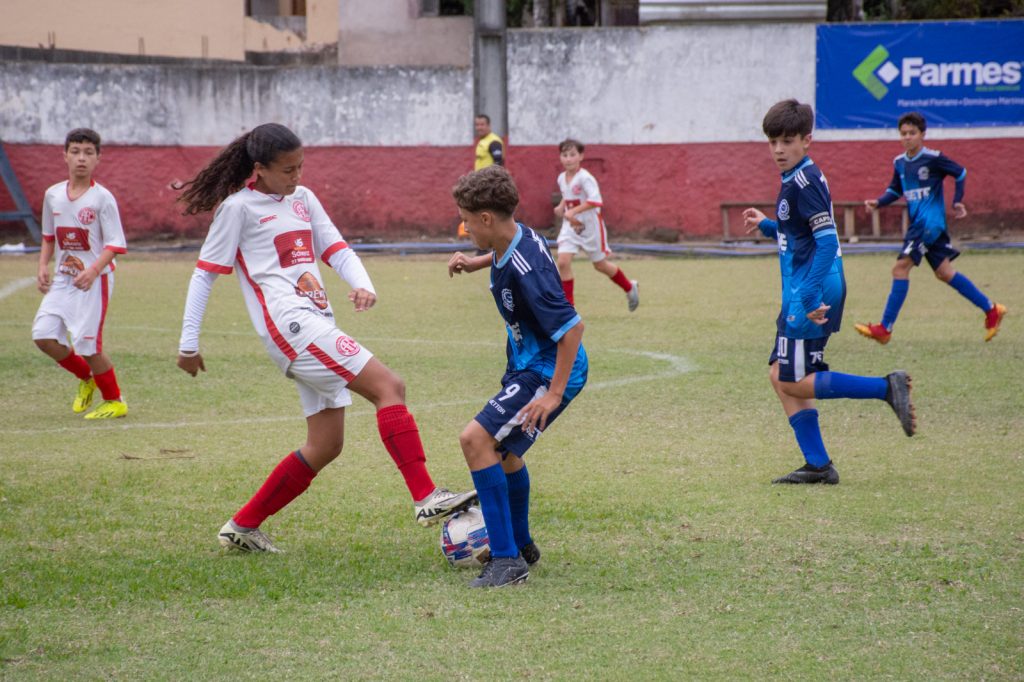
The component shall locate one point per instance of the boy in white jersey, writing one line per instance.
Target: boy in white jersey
(273, 230)
(82, 226)
(582, 225)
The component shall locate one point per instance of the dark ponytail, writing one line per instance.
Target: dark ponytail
(227, 173)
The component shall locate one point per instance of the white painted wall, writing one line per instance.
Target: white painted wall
(176, 105)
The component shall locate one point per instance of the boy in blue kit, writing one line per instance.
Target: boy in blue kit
(917, 176)
(547, 366)
(813, 293)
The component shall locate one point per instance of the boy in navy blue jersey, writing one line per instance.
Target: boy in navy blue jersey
(917, 176)
(547, 366)
(813, 293)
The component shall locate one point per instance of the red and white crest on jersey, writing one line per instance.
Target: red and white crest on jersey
(346, 345)
(73, 238)
(309, 287)
(301, 210)
(87, 216)
(294, 248)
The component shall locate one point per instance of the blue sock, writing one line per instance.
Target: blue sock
(897, 295)
(970, 292)
(830, 385)
(519, 505)
(808, 437)
(492, 489)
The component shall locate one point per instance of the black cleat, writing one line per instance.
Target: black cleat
(898, 397)
(808, 474)
(502, 571)
(530, 553)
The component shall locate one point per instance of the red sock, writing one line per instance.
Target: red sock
(621, 280)
(107, 383)
(77, 365)
(567, 287)
(402, 439)
(288, 480)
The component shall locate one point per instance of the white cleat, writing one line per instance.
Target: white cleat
(255, 540)
(633, 295)
(441, 503)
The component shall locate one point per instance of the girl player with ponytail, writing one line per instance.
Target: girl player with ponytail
(273, 230)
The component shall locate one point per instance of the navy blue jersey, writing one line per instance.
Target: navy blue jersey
(919, 181)
(806, 226)
(528, 292)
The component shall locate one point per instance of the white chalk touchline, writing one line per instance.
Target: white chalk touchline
(17, 285)
(677, 365)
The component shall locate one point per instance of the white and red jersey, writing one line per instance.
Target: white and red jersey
(274, 242)
(83, 228)
(582, 187)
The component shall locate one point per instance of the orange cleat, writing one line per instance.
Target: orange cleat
(993, 318)
(874, 331)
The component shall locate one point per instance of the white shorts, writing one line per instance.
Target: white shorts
(323, 371)
(70, 312)
(593, 240)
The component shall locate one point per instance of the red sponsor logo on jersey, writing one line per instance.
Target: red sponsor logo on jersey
(301, 210)
(73, 238)
(70, 266)
(346, 345)
(294, 248)
(87, 216)
(267, 219)
(309, 287)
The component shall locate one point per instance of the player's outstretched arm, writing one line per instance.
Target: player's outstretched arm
(754, 219)
(959, 210)
(461, 263)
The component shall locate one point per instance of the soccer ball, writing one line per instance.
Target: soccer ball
(464, 539)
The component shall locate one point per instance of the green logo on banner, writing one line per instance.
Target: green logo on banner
(865, 72)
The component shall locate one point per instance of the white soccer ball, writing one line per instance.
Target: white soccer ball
(464, 539)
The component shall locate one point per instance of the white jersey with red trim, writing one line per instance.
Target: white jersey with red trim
(275, 242)
(82, 229)
(583, 187)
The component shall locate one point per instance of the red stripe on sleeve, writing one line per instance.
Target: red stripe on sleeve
(115, 249)
(49, 238)
(213, 267)
(331, 250)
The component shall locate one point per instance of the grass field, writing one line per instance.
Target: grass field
(667, 554)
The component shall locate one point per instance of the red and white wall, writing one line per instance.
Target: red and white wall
(670, 116)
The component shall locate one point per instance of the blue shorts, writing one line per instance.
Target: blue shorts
(499, 415)
(798, 357)
(939, 250)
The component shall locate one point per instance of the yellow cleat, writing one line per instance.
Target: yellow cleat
(994, 318)
(83, 400)
(109, 409)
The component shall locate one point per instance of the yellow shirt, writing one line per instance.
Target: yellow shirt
(487, 153)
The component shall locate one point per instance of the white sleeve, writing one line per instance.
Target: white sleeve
(195, 308)
(220, 249)
(111, 230)
(347, 264)
(591, 190)
(47, 217)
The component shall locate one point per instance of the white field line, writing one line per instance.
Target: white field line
(15, 286)
(677, 366)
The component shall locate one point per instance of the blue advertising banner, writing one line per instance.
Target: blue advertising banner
(957, 73)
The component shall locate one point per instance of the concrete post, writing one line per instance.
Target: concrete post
(490, 73)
